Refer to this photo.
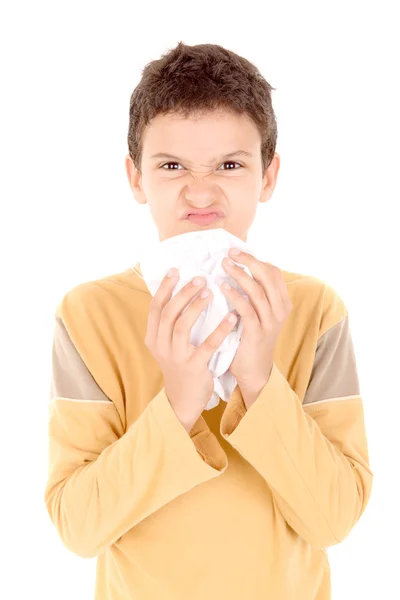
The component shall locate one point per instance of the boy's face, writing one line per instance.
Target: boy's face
(200, 176)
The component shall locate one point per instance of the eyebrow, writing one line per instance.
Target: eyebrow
(236, 153)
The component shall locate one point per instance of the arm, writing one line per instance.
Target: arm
(103, 480)
(313, 454)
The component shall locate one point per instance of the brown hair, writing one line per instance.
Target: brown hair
(191, 80)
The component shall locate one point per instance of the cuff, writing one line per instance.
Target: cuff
(200, 438)
(236, 412)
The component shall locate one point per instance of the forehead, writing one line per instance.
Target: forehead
(200, 137)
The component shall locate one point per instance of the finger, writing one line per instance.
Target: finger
(183, 326)
(270, 279)
(284, 294)
(244, 308)
(157, 303)
(256, 290)
(214, 340)
(271, 309)
(172, 310)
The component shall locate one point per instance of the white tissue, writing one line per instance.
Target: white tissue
(201, 253)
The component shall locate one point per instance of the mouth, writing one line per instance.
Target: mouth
(206, 219)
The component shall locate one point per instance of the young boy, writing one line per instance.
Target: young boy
(175, 501)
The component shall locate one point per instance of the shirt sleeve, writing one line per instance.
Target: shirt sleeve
(312, 453)
(103, 480)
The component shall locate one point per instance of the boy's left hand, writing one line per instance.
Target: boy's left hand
(263, 318)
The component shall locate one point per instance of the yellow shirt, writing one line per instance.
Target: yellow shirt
(245, 505)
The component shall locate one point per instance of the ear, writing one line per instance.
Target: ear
(135, 180)
(270, 178)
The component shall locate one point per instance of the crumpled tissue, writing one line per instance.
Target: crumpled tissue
(201, 253)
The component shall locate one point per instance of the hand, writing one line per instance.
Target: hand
(263, 318)
(188, 381)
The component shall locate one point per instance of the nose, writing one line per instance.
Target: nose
(200, 193)
(200, 196)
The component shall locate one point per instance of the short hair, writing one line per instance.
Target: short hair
(193, 80)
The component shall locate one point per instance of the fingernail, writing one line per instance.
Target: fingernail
(172, 272)
(198, 281)
(234, 251)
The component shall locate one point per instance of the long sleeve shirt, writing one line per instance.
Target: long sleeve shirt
(245, 505)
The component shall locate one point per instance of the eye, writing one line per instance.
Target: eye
(231, 162)
(169, 163)
(228, 162)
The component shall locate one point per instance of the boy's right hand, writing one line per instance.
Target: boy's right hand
(188, 382)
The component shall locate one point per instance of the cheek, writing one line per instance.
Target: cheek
(166, 187)
(243, 207)
(238, 188)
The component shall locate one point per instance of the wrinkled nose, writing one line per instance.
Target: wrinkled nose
(200, 193)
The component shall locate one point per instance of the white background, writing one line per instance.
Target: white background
(68, 215)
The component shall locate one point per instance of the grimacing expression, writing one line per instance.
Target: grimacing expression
(185, 165)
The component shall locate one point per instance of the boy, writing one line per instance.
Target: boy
(175, 501)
